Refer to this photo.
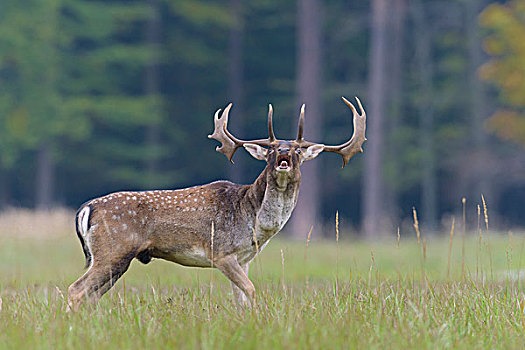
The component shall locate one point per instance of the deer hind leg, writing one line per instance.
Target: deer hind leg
(100, 277)
(239, 278)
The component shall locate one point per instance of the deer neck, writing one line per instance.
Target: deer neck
(275, 197)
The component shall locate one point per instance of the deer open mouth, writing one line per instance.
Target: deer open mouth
(283, 163)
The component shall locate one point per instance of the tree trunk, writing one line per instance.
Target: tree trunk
(395, 89)
(477, 105)
(45, 178)
(152, 88)
(309, 79)
(373, 211)
(4, 195)
(236, 81)
(426, 117)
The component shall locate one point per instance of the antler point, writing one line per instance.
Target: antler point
(363, 113)
(216, 116)
(348, 149)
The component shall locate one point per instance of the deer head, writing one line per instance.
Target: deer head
(285, 157)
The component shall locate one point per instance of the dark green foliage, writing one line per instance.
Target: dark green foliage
(73, 78)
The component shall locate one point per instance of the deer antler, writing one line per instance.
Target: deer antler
(271, 135)
(229, 143)
(348, 149)
(300, 128)
(353, 146)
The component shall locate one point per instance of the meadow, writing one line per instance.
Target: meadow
(396, 292)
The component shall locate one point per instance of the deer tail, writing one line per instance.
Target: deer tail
(82, 227)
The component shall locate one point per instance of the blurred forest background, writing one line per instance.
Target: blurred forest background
(100, 96)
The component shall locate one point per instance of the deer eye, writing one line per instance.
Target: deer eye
(298, 151)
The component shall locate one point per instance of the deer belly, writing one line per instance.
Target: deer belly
(194, 256)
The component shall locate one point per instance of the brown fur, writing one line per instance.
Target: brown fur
(173, 224)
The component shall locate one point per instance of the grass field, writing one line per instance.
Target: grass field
(353, 294)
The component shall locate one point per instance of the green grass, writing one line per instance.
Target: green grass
(357, 294)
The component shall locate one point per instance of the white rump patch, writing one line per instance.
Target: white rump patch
(83, 219)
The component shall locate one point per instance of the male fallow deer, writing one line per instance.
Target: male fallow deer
(177, 225)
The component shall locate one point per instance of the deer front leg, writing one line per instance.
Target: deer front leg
(238, 275)
(238, 294)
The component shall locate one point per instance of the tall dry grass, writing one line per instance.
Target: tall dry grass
(26, 223)
(342, 293)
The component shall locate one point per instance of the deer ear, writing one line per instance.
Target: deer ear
(311, 152)
(256, 151)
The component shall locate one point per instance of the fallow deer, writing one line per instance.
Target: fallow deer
(184, 226)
